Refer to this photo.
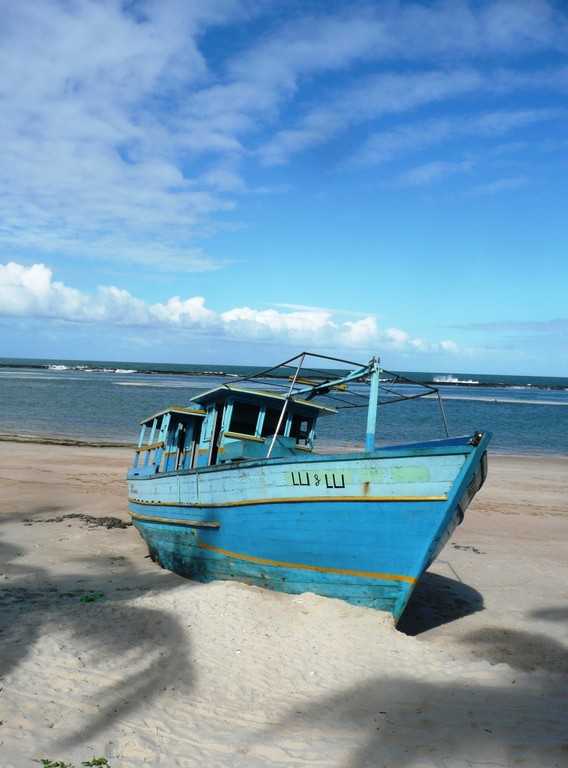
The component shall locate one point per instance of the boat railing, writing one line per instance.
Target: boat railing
(167, 441)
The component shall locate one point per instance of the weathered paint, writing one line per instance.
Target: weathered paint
(361, 527)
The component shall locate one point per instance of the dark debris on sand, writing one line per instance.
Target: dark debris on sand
(104, 522)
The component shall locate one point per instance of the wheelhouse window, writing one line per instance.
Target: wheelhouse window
(271, 418)
(244, 418)
(300, 428)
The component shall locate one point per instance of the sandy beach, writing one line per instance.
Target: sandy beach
(105, 654)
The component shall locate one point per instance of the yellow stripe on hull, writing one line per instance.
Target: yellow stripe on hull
(188, 523)
(300, 499)
(314, 568)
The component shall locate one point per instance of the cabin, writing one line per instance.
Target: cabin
(228, 424)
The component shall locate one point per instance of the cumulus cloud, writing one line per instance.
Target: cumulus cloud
(32, 292)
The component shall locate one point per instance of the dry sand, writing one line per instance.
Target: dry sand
(159, 671)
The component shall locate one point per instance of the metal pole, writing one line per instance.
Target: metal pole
(288, 396)
(443, 414)
(373, 404)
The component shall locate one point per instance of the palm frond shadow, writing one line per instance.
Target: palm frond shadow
(129, 652)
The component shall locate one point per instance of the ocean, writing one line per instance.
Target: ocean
(87, 401)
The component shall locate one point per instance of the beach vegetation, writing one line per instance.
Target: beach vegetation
(47, 763)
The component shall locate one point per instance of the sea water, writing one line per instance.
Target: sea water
(105, 401)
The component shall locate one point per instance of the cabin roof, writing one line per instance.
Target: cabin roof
(262, 397)
(175, 409)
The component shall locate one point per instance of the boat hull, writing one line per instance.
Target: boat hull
(360, 527)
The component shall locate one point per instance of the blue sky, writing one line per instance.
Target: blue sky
(239, 180)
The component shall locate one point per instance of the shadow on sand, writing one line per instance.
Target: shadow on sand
(402, 722)
(140, 650)
(438, 600)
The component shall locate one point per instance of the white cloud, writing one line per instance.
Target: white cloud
(523, 24)
(413, 35)
(178, 311)
(453, 27)
(311, 44)
(90, 146)
(335, 311)
(125, 130)
(367, 99)
(32, 292)
(384, 146)
(430, 173)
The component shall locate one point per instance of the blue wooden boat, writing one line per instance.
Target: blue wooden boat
(230, 487)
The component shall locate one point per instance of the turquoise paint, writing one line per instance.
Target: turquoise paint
(361, 526)
(372, 410)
